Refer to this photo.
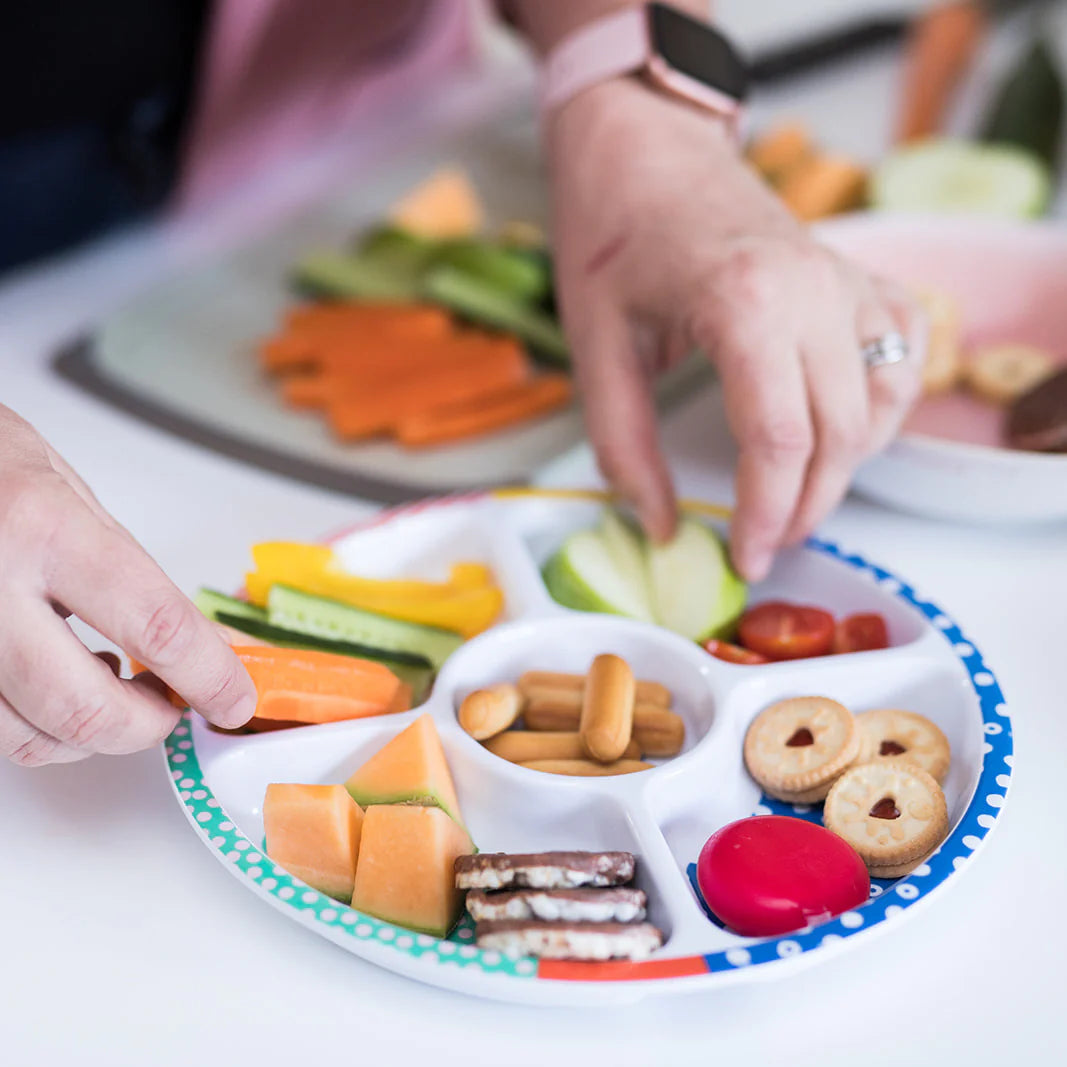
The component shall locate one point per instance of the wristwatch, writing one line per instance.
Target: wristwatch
(676, 54)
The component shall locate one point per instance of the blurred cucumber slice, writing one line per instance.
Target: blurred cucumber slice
(337, 276)
(961, 177)
(472, 298)
(513, 273)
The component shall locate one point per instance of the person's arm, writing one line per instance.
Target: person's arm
(666, 241)
(61, 554)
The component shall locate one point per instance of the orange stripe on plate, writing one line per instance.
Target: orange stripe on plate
(621, 970)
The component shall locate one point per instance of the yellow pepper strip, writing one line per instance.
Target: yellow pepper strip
(467, 603)
(292, 563)
(470, 575)
(467, 612)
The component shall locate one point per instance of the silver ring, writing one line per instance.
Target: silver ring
(883, 351)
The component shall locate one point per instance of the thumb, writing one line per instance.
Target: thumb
(620, 416)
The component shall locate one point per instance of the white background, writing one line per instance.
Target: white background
(123, 941)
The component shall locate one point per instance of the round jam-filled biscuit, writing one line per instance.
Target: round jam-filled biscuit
(1038, 419)
(796, 747)
(892, 734)
(771, 874)
(892, 813)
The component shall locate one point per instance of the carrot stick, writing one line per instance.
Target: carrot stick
(408, 321)
(381, 358)
(297, 673)
(453, 422)
(782, 148)
(823, 185)
(286, 353)
(308, 390)
(402, 701)
(278, 705)
(941, 47)
(376, 410)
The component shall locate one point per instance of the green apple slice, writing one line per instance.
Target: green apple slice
(625, 543)
(586, 575)
(957, 176)
(695, 590)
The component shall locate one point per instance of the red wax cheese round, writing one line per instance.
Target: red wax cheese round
(770, 874)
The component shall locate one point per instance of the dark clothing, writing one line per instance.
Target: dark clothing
(94, 99)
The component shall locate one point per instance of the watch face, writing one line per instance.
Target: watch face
(696, 50)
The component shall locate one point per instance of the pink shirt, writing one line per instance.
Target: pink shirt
(278, 75)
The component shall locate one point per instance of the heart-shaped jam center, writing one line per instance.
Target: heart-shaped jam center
(801, 738)
(891, 748)
(886, 808)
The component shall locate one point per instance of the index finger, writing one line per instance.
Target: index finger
(620, 414)
(767, 409)
(104, 577)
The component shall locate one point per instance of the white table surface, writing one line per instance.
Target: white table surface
(123, 941)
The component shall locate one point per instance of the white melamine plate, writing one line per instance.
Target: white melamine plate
(662, 815)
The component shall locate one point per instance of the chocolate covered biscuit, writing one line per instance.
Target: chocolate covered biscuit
(570, 941)
(543, 870)
(1037, 421)
(619, 904)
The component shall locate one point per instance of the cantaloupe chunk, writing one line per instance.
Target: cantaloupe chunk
(410, 769)
(405, 870)
(314, 831)
(445, 205)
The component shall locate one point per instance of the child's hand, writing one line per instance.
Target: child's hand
(61, 553)
(667, 242)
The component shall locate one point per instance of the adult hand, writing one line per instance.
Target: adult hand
(666, 242)
(61, 554)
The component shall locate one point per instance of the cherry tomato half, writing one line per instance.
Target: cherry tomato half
(733, 653)
(779, 630)
(861, 633)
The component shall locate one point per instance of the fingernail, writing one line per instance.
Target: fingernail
(242, 711)
(753, 563)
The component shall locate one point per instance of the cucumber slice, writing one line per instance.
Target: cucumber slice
(585, 575)
(337, 276)
(695, 591)
(512, 274)
(279, 635)
(958, 177)
(473, 299)
(293, 610)
(212, 603)
(409, 667)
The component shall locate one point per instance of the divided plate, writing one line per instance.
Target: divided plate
(663, 815)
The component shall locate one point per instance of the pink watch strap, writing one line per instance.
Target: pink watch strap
(606, 48)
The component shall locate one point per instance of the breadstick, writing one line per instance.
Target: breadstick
(657, 732)
(647, 692)
(521, 746)
(607, 717)
(585, 768)
(488, 712)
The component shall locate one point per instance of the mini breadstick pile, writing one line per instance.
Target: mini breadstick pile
(602, 723)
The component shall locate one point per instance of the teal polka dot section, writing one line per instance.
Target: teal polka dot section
(248, 859)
